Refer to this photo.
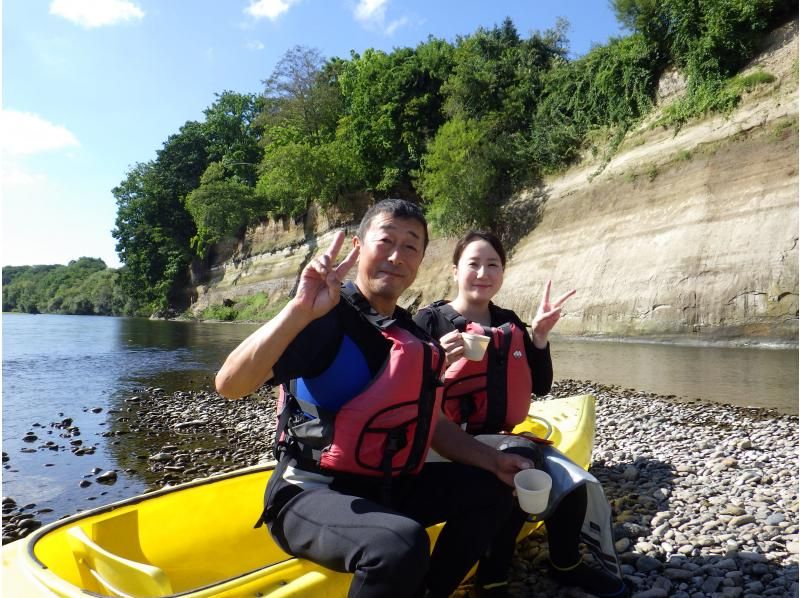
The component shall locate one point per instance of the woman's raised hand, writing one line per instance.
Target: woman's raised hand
(453, 346)
(320, 281)
(547, 316)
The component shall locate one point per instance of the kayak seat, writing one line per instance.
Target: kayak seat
(117, 575)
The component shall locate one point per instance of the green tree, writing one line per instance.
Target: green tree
(709, 39)
(232, 134)
(294, 174)
(497, 74)
(220, 207)
(457, 178)
(393, 107)
(498, 79)
(612, 86)
(84, 286)
(304, 160)
(153, 228)
(302, 100)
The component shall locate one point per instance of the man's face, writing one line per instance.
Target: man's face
(390, 254)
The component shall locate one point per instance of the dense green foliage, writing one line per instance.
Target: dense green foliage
(392, 108)
(83, 287)
(157, 237)
(458, 178)
(708, 41)
(457, 126)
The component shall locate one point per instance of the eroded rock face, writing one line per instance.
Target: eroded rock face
(272, 254)
(693, 232)
(707, 247)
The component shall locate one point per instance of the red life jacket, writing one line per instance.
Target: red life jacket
(493, 394)
(386, 429)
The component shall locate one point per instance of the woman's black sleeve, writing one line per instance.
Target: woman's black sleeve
(541, 365)
(539, 360)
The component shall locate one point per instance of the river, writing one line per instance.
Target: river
(80, 367)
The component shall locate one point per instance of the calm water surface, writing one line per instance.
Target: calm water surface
(64, 366)
(748, 377)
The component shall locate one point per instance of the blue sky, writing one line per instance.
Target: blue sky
(91, 87)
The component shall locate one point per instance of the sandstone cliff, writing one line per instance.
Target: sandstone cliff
(692, 233)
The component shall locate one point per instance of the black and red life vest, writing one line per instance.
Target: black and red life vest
(386, 429)
(493, 394)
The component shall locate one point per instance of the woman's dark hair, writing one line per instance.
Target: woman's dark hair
(475, 235)
(397, 208)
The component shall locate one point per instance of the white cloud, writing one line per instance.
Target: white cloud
(372, 15)
(254, 44)
(23, 133)
(17, 178)
(370, 11)
(96, 13)
(269, 9)
(395, 25)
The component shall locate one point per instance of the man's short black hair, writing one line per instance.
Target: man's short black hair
(397, 208)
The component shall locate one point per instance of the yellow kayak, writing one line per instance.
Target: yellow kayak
(197, 539)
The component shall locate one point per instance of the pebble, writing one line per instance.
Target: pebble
(709, 507)
(775, 519)
(107, 477)
(741, 520)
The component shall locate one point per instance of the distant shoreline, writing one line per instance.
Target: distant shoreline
(688, 341)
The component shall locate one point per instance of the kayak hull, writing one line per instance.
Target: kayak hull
(198, 539)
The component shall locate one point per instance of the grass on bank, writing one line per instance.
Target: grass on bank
(249, 308)
(784, 127)
(711, 97)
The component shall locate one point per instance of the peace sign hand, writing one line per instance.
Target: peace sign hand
(320, 281)
(547, 316)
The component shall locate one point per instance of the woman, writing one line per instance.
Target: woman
(497, 398)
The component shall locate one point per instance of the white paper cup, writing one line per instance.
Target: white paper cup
(533, 490)
(474, 345)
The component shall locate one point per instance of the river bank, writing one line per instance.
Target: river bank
(704, 495)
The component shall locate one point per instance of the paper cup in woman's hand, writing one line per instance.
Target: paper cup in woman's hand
(474, 345)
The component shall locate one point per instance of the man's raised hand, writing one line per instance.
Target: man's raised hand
(320, 281)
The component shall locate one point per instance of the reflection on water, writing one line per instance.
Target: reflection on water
(56, 367)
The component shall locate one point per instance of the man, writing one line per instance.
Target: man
(359, 410)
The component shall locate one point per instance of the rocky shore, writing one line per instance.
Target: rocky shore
(704, 496)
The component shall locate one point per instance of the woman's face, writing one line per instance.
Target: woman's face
(479, 272)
